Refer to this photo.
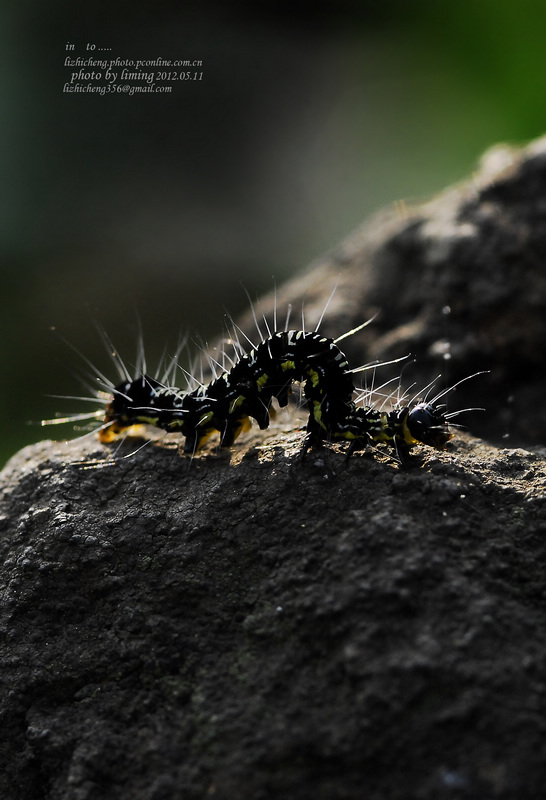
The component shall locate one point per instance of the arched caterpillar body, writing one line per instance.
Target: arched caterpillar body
(230, 400)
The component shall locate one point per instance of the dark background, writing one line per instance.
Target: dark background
(309, 116)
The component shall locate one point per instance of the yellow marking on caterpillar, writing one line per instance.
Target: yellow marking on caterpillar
(244, 426)
(286, 365)
(116, 429)
(408, 438)
(147, 420)
(382, 435)
(313, 374)
(204, 419)
(317, 414)
(204, 436)
(236, 403)
(262, 380)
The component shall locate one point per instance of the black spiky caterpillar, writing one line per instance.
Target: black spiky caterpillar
(228, 402)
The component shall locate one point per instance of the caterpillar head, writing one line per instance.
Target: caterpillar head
(428, 425)
(132, 404)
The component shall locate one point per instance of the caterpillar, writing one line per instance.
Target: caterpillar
(244, 392)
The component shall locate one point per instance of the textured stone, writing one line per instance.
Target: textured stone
(249, 625)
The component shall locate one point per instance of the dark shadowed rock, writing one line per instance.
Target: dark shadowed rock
(458, 282)
(255, 627)
(250, 626)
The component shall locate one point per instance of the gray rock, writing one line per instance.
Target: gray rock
(458, 282)
(248, 625)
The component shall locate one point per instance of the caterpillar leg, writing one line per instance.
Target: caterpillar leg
(233, 429)
(354, 445)
(311, 441)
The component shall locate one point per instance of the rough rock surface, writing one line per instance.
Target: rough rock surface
(250, 626)
(256, 627)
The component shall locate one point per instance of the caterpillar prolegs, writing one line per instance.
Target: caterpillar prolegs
(228, 403)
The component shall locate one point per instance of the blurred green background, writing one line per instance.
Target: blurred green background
(309, 116)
